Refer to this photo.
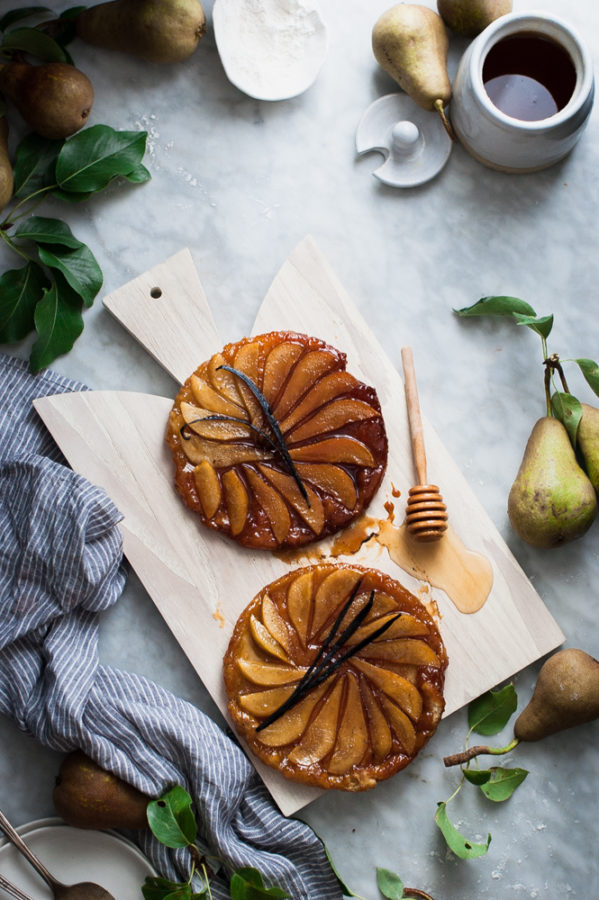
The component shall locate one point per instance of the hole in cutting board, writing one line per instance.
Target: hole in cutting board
(155, 293)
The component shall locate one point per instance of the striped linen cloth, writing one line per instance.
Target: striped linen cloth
(61, 564)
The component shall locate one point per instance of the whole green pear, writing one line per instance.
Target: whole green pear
(410, 42)
(470, 17)
(55, 99)
(588, 442)
(551, 501)
(566, 694)
(160, 31)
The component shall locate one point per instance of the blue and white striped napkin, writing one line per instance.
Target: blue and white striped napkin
(61, 564)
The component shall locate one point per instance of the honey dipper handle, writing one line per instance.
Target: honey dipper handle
(414, 414)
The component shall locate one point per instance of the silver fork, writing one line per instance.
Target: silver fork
(10, 888)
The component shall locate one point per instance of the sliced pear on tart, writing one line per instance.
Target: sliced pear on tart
(296, 442)
(308, 695)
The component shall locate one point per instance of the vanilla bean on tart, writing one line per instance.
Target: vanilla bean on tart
(275, 444)
(334, 675)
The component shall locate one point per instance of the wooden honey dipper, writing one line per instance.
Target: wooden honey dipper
(426, 514)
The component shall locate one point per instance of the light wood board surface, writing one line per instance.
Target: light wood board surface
(201, 581)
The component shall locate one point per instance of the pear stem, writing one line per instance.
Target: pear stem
(458, 759)
(438, 105)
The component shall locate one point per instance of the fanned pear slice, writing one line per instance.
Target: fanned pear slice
(292, 724)
(208, 486)
(326, 389)
(277, 511)
(269, 673)
(286, 400)
(403, 627)
(401, 725)
(237, 500)
(299, 604)
(399, 689)
(319, 737)
(332, 593)
(335, 450)
(312, 366)
(279, 362)
(201, 423)
(266, 641)
(403, 650)
(221, 454)
(275, 623)
(206, 397)
(345, 721)
(263, 703)
(312, 511)
(381, 739)
(329, 418)
(330, 479)
(352, 736)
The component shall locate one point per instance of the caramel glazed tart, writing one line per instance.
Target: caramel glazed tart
(381, 695)
(274, 443)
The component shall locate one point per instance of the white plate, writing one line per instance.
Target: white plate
(76, 854)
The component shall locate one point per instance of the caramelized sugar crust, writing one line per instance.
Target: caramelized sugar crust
(227, 468)
(372, 716)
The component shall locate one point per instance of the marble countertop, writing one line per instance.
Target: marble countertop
(240, 182)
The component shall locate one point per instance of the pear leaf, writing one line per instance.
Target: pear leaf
(568, 410)
(58, 322)
(78, 266)
(15, 15)
(247, 884)
(541, 325)
(35, 164)
(489, 713)
(20, 292)
(34, 41)
(461, 846)
(477, 776)
(502, 783)
(345, 890)
(94, 156)
(590, 370)
(162, 889)
(47, 231)
(389, 884)
(497, 306)
(171, 818)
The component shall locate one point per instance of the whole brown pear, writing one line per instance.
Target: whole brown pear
(87, 796)
(470, 17)
(6, 176)
(55, 99)
(160, 31)
(410, 42)
(566, 694)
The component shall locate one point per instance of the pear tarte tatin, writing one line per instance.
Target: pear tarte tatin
(274, 443)
(334, 675)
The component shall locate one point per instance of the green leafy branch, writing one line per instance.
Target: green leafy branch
(60, 275)
(47, 40)
(172, 822)
(487, 715)
(561, 404)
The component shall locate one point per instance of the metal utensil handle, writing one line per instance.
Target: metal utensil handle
(6, 885)
(22, 847)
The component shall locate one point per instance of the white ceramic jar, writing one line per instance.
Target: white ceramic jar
(513, 144)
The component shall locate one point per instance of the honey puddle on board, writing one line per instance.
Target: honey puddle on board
(465, 576)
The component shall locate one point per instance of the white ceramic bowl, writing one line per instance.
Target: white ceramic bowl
(507, 143)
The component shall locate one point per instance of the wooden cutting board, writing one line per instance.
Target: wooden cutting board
(201, 581)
